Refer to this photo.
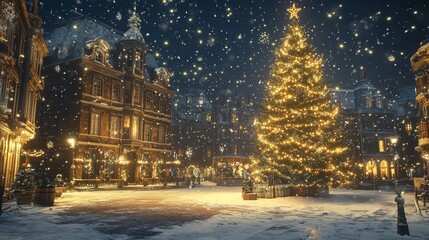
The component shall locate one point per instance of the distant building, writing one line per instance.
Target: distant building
(235, 134)
(420, 66)
(193, 127)
(22, 48)
(409, 163)
(107, 92)
(368, 119)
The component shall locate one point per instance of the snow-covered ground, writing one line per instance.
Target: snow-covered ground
(210, 212)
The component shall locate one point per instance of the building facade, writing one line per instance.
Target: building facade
(368, 120)
(22, 48)
(420, 67)
(235, 136)
(193, 127)
(109, 99)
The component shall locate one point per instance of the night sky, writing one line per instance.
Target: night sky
(219, 44)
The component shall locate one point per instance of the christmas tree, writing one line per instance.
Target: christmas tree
(298, 136)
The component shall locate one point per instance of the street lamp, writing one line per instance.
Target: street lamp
(72, 143)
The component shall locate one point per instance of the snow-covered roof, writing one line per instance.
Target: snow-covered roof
(68, 40)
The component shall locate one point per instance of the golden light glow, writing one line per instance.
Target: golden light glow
(293, 12)
(298, 136)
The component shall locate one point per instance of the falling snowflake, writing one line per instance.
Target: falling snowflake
(200, 59)
(50, 144)
(264, 38)
(57, 68)
(391, 58)
(119, 16)
(211, 42)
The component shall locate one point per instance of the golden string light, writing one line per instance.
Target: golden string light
(298, 137)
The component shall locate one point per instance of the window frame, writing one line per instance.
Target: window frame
(95, 126)
(94, 86)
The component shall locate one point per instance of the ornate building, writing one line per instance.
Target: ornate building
(368, 121)
(22, 49)
(106, 92)
(420, 66)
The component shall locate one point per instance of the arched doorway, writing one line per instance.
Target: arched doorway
(89, 164)
(131, 172)
(109, 170)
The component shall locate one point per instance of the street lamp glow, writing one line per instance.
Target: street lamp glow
(72, 142)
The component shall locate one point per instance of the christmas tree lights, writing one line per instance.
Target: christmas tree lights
(299, 139)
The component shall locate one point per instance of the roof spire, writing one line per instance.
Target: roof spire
(134, 24)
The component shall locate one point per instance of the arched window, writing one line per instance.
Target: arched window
(371, 170)
(109, 165)
(383, 169)
(89, 164)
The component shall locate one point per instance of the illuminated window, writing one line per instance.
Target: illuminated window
(114, 126)
(208, 117)
(135, 129)
(96, 87)
(381, 146)
(95, 124)
(392, 170)
(368, 102)
(138, 62)
(126, 121)
(137, 94)
(408, 127)
(378, 103)
(383, 169)
(147, 132)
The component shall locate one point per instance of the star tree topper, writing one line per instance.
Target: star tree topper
(294, 12)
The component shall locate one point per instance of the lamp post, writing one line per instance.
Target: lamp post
(72, 143)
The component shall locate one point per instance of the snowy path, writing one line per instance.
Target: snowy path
(209, 212)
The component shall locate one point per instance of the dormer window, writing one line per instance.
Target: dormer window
(98, 51)
(368, 102)
(379, 103)
(98, 56)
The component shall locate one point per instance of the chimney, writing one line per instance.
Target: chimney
(362, 74)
